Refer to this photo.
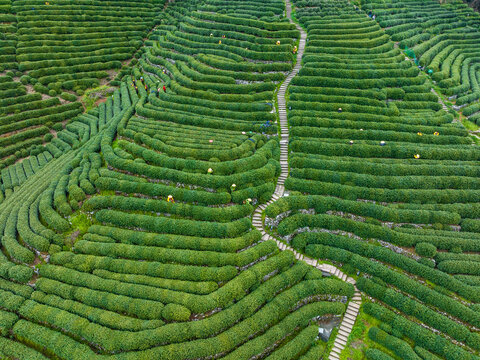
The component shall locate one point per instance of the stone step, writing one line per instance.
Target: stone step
(346, 327)
(336, 349)
(348, 321)
(333, 356)
(342, 338)
(355, 303)
(351, 316)
(351, 309)
(352, 312)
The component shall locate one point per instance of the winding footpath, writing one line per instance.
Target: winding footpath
(440, 101)
(354, 305)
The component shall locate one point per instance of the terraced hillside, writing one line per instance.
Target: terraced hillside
(444, 39)
(249, 182)
(67, 45)
(383, 184)
(28, 120)
(50, 53)
(131, 237)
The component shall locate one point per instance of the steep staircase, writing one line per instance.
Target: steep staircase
(354, 305)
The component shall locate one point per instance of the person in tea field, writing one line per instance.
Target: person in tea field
(164, 89)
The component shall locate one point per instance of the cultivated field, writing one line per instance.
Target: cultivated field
(205, 179)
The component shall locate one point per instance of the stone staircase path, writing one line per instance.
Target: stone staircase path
(354, 305)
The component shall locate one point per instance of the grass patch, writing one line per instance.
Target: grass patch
(90, 98)
(80, 222)
(358, 340)
(293, 15)
(469, 125)
(475, 139)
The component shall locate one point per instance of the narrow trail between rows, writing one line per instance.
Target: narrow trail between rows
(354, 305)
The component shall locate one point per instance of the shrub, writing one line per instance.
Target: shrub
(175, 312)
(425, 249)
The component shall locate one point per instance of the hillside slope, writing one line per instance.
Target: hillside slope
(136, 241)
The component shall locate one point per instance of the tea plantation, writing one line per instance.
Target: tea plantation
(206, 179)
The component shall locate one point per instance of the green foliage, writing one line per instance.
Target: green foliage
(175, 312)
(425, 249)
